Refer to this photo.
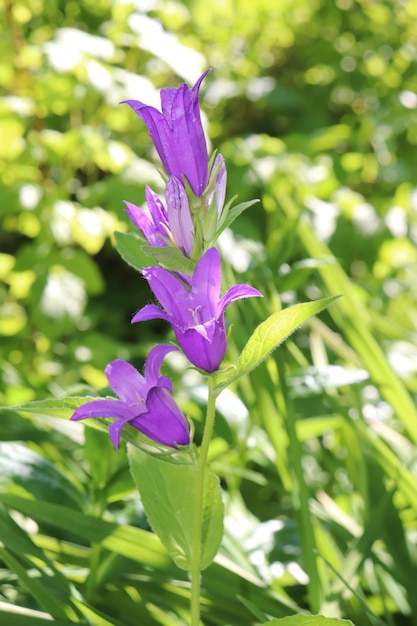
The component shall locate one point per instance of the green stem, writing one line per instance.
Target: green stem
(198, 505)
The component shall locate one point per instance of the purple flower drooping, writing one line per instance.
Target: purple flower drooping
(195, 313)
(144, 402)
(178, 133)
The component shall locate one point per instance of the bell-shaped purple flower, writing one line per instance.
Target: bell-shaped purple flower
(195, 312)
(144, 402)
(178, 133)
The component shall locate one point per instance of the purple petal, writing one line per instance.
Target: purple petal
(164, 422)
(126, 382)
(179, 216)
(155, 206)
(191, 157)
(153, 234)
(178, 133)
(154, 362)
(167, 99)
(236, 293)
(138, 217)
(205, 354)
(158, 128)
(164, 383)
(170, 292)
(206, 282)
(104, 408)
(149, 312)
(115, 431)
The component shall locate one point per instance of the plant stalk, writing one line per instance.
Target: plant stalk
(195, 572)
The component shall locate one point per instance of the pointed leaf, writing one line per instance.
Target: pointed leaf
(271, 333)
(170, 258)
(129, 246)
(168, 493)
(139, 255)
(232, 214)
(54, 407)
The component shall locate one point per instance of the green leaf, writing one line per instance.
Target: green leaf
(22, 556)
(307, 620)
(129, 246)
(168, 493)
(21, 616)
(37, 475)
(53, 407)
(232, 214)
(225, 579)
(139, 255)
(101, 456)
(271, 333)
(169, 257)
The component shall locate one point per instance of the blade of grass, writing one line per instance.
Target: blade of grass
(353, 319)
(224, 579)
(301, 494)
(35, 586)
(22, 616)
(404, 479)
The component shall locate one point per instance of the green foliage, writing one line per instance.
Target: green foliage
(138, 255)
(167, 491)
(271, 333)
(301, 620)
(314, 107)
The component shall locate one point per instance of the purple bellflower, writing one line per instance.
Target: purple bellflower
(178, 133)
(195, 312)
(144, 402)
(159, 224)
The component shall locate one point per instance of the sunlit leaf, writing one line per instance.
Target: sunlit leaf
(168, 494)
(272, 332)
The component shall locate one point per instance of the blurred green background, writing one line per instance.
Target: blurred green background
(313, 104)
(322, 93)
